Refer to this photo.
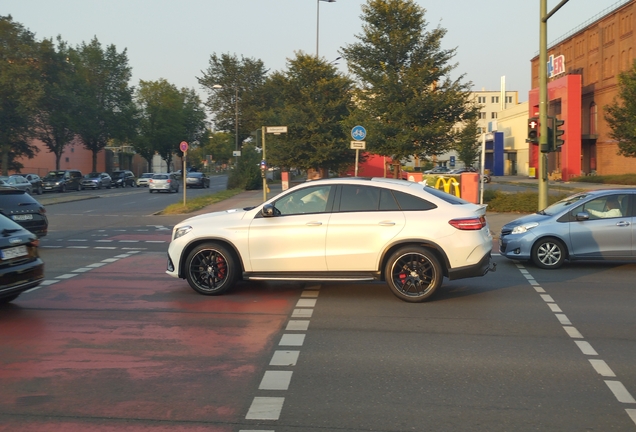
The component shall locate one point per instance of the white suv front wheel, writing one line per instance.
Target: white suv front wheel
(211, 269)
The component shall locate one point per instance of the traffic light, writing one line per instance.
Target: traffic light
(557, 141)
(533, 130)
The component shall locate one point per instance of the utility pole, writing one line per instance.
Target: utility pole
(543, 98)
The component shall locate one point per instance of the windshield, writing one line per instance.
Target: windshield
(92, 175)
(565, 203)
(55, 174)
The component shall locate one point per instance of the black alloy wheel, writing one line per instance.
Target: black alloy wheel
(414, 274)
(211, 269)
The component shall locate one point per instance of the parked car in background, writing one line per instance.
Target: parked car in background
(197, 179)
(20, 265)
(36, 183)
(143, 179)
(123, 178)
(97, 180)
(346, 229)
(485, 177)
(62, 180)
(595, 225)
(24, 210)
(18, 182)
(163, 182)
(438, 170)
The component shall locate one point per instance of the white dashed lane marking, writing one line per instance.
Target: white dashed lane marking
(620, 392)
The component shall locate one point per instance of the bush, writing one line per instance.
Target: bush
(620, 179)
(520, 202)
(247, 174)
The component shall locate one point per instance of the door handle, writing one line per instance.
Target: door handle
(386, 223)
(314, 223)
(622, 223)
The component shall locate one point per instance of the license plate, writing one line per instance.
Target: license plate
(13, 252)
(23, 217)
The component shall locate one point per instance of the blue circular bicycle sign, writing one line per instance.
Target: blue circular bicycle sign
(358, 133)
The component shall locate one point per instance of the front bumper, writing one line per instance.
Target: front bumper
(516, 246)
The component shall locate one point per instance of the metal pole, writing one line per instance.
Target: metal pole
(543, 105)
(265, 173)
(483, 166)
(236, 113)
(183, 176)
(317, 24)
(357, 153)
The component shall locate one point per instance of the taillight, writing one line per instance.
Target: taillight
(168, 181)
(150, 181)
(469, 224)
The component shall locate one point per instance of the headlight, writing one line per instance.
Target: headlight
(181, 231)
(520, 229)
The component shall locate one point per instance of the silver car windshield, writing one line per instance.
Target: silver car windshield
(565, 203)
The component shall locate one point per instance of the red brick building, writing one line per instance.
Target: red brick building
(595, 53)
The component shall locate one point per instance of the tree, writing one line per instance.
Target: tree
(467, 146)
(166, 117)
(106, 110)
(621, 114)
(20, 92)
(234, 89)
(312, 99)
(58, 108)
(406, 99)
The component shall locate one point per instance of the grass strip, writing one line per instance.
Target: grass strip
(198, 203)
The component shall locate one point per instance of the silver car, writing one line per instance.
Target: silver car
(163, 182)
(18, 182)
(594, 225)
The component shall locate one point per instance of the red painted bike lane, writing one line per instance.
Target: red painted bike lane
(125, 347)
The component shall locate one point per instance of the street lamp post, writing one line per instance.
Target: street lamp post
(318, 21)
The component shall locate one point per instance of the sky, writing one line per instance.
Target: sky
(173, 39)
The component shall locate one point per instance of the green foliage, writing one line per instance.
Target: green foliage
(407, 100)
(312, 99)
(167, 116)
(20, 91)
(200, 202)
(621, 114)
(521, 202)
(234, 87)
(467, 146)
(247, 174)
(619, 179)
(106, 108)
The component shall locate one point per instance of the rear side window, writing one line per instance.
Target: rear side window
(160, 177)
(451, 199)
(410, 202)
(359, 198)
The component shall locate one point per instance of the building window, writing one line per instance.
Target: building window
(494, 99)
(481, 99)
(508, 99)
(482, 115)
(593, 118)
(493, 115)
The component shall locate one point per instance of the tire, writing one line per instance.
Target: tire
(8, 299)
(79, 187)
(150, 190)
(548, 253)
(63, 188)
(414, 274)
(211, 269)
(40, 191)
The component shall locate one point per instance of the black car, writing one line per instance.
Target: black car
(36, 182)
(24, 210)
(197, 179)
(62, 181)
(20, 265)
(123, 178)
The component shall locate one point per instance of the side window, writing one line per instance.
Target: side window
(387, 201)
(306, 200)
(359, 198)
(410, 202)
(611, 206)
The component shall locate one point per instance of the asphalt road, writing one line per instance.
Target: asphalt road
(110, 342)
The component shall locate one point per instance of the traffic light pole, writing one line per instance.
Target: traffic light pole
(543, 105)
(543, 98)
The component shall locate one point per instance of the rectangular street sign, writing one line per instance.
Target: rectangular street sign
(276, 129)
(358, 145)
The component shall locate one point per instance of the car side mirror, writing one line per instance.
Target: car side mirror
(269, 210)
(582, 216)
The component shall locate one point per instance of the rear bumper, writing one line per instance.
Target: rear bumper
(479, 269)
(21, 278)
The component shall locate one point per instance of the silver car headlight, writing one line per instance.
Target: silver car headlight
(181, 231)
(520, 229)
